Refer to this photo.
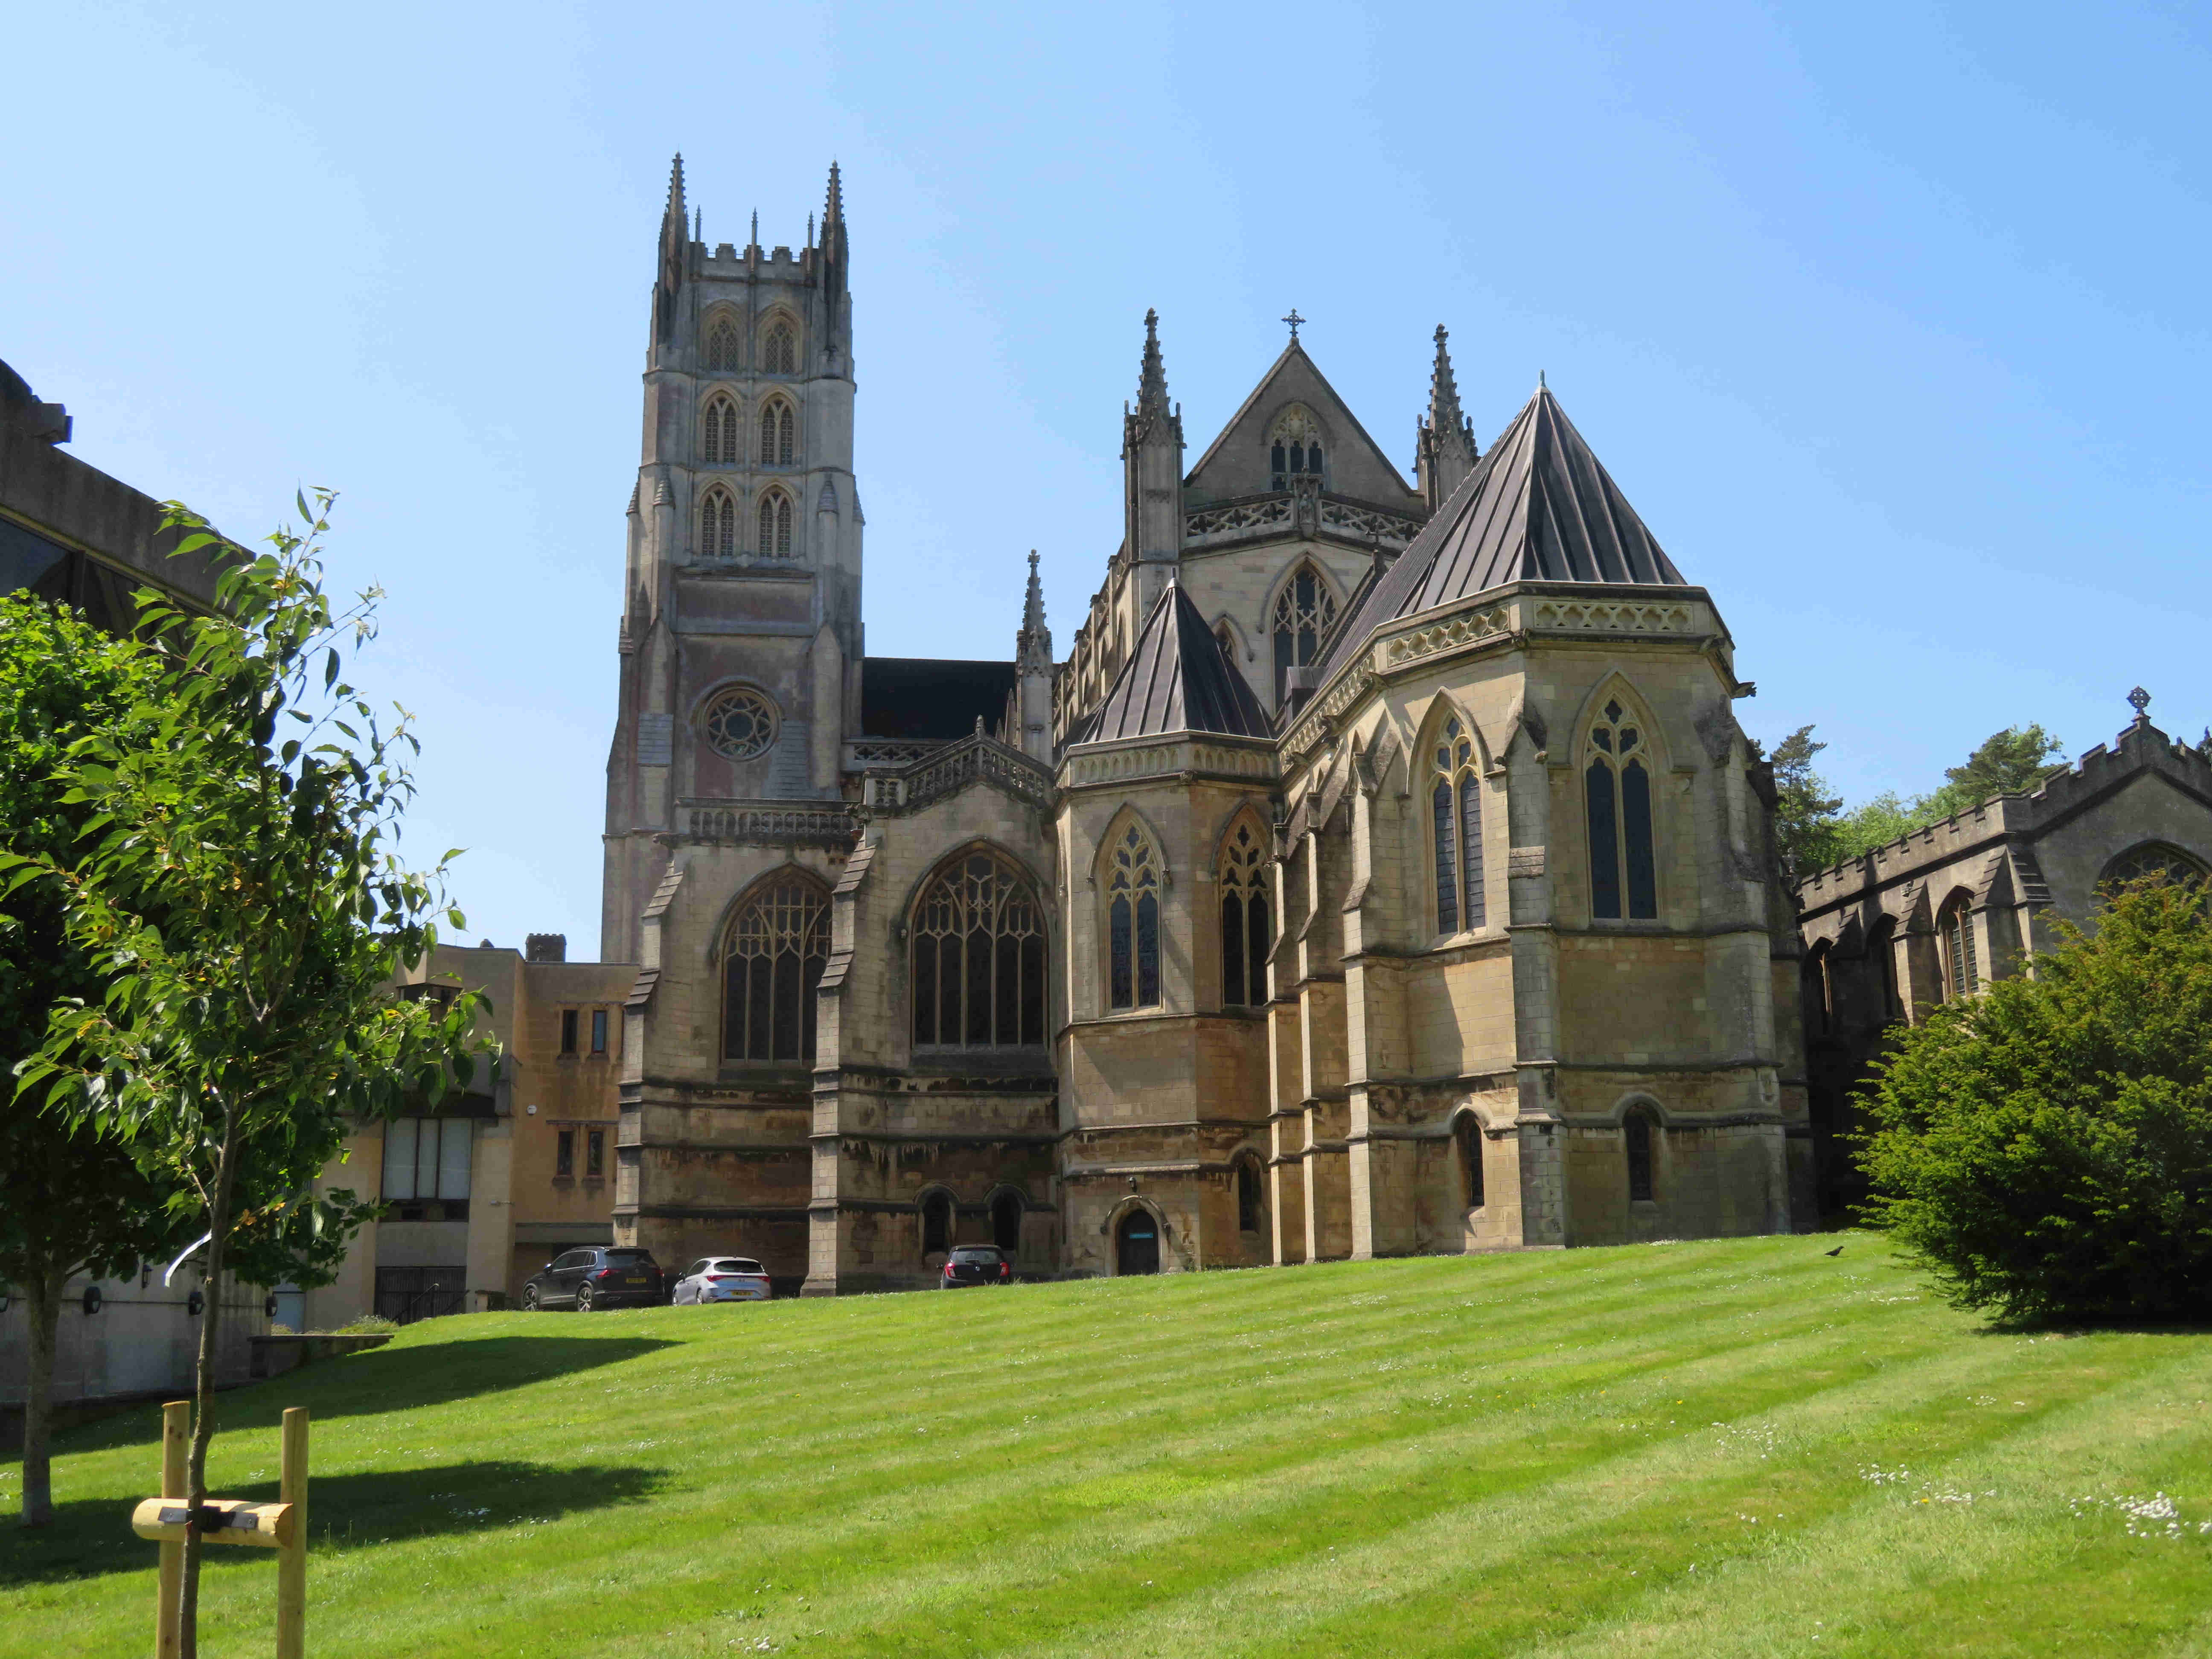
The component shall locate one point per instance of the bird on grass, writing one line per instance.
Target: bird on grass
(1838, 1250)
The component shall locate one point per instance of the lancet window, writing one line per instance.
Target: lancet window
(1635, 1134)
(1617, 788)
(1456, 814)
(1467, 1133)
(979, 957)
(1251, 1207)
(1294, 448)
(1246, 917)
(719, 432)
(775, 525)
(1954, 930)
(721, 346)
(779, 433)
(778, 943)
(718, 525)
(1304, 610)
(780, 349)
(1133, 923)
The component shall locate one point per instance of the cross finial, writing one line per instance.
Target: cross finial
(2139, 699)
(1294, 319)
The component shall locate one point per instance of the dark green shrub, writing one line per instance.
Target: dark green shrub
(2047, 1149)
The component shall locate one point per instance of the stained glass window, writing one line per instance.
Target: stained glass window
(1455, 811)
(1961, 975)
(778, 943)
(979, 957)
(1246, 933)
(1617, 786)
(739, 723)
(1133, 923)
(1303, 612)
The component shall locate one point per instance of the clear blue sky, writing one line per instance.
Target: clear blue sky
(1890, 319)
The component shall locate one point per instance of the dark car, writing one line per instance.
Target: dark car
(975, 1264)
(604, 1276)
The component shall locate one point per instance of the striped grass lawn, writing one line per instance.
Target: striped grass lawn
(1738, 1448)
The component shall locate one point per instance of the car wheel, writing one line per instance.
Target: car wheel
(530, 1299)
(583, 1298)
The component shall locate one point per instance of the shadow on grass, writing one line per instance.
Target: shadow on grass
(394, 1379)
(93, 1536)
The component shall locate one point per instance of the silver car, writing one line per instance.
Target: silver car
(722, 1279)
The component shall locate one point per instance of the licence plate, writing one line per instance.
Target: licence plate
(634, 1278)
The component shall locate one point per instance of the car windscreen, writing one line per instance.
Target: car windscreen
(985, 1258)
(738, 1264)
(629, 1258)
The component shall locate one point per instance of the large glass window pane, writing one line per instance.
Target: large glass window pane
(1604, 843)
(1440, 803)
(454, 1143)
(1256, 968)
(1232, 952)
(1635, 827)
(1148, 951)
(1470, 849)
(1120, 972)
(399, 1157)
(426, 1159)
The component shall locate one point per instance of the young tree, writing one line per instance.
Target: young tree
(239, 898)
(1804, 822)
(2046, 1148)
(2008, 762)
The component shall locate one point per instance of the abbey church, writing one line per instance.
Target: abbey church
(1382, 870)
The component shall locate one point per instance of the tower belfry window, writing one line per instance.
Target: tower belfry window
(720, 433)
(780, 351)
(775, 525)
(1304, 610)
(1294, 448)
(722, 347)
(1456, 808)
(718, 525)
(1617, 785)
(779, 434)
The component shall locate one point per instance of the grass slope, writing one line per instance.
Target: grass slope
(1699, 1450)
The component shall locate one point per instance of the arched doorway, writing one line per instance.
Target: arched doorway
(1006, 1222)
(1137, 1244)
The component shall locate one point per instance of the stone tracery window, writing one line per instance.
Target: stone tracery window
(2152, 859)
(774, 526)
(739, 723)
(1246, 917)
(1455, 813)
(718, 525)
(721, 430)
(1617, 786)
(721, 346)
(780, 349)
(979, 957)
(1305, 609)
(1133, 923)
(779, 433)
(1955, 930)
(1294, 448)
(778, 946)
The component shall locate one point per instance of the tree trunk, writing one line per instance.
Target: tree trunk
(44, 1291)
(188, 1588)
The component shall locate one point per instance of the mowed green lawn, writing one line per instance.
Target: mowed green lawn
(1736, 1447)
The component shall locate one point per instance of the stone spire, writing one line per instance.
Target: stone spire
(675, 255)
(1033, 645)
(1152, 379)
(1444, 439)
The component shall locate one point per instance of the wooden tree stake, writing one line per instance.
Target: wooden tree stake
(176, 1436)
(292, 1560)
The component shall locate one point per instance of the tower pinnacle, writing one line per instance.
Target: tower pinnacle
(1152, 380)
(1444, 438)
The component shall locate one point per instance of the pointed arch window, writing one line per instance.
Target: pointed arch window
(1303, 612)
(979, 957)
(718, 525)
(1456, 815)
(1294, 448)
(2152, 860)
(720, 433)
(775, 525)
(1954, 930)
(779, 433)
(1635, 1134)
(721, 346)
(1251, 1207)
(1617, 790)
(780, 349)
(1247, 928)
(1133, 923)
(1468, 1133)
(772, 963)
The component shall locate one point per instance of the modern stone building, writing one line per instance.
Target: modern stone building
(1384, 870)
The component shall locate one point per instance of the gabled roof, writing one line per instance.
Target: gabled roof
(1539, 506)
(1235, 463)
(1177, 680)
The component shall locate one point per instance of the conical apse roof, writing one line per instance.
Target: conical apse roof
(1177, 680)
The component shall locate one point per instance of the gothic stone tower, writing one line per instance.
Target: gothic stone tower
(740, 680)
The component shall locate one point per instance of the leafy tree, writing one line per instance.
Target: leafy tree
(238, 895)
(1812, 833)
(2008, 762)
(1805, 823)
(2046, 1148)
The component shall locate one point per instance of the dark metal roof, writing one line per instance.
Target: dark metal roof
(930, 697)
(1177, 680)
(1540, 507)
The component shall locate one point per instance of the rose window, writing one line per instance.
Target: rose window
(739, 724)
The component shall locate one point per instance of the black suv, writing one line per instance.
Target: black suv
(602, 1277)
(975, 1264)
